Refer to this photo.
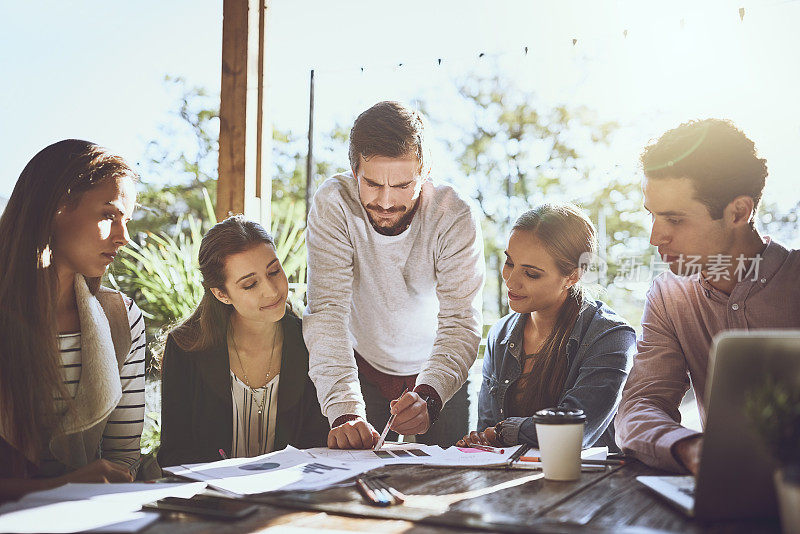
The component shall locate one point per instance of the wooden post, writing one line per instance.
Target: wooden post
(245, 134)
(310, 157)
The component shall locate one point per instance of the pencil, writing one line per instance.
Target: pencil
(517, 454)
(381, 490)
(398, 496)
(378, 445)
(586, 462)
(603, 462)
(371, 496)
(485, 448)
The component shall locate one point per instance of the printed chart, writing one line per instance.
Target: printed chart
(311, 469)
(289, 469)
(418, 454)
(400, 453)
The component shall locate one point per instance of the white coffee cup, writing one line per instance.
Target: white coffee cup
(560, 433)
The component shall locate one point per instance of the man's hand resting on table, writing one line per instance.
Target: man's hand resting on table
(355, 434)
(687, 452)
(487, 437)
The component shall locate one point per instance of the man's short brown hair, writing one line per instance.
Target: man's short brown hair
(717, 157)
(387, 129)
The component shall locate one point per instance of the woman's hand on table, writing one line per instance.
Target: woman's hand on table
(487, 437)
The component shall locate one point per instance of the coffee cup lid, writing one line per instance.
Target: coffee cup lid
(559, 416)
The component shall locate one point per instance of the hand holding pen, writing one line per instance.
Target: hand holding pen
(381, 439)
(410, 414)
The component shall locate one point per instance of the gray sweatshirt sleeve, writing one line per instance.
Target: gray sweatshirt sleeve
(332, 366)
(460, 273)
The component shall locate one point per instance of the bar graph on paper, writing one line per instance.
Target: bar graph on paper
(391, 453)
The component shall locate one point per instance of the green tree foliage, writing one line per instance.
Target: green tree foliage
(519, 152)
(181, 163)
(781, 225)
(289, 161)
(160, 271)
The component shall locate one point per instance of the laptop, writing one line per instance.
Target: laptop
(735, 479)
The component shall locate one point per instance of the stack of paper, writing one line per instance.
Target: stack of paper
(87, 507)
(289, 469)
(390, 453)
(436, 456)
(313, 469)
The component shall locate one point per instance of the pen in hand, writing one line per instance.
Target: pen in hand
(386, 428)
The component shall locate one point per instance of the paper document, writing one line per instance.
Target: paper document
(288, 469)
(89, 507)
(394, 453)
(468, 457)
(409, 453)
(313, 469)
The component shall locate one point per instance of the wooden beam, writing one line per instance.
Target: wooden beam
(245, 134)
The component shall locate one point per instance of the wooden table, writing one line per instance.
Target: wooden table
(449, 500)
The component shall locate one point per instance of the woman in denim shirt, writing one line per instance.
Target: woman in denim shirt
(558, 347)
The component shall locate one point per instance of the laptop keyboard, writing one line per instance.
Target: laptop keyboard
(685, 485)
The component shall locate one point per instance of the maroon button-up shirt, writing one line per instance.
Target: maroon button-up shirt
(681, 317)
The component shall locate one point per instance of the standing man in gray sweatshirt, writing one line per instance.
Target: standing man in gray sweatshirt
(396, 269)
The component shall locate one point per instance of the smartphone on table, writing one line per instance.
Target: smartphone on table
(205, 505)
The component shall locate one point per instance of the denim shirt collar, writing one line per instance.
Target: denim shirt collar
(516, 330)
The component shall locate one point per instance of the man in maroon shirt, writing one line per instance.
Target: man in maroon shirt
(703, 182)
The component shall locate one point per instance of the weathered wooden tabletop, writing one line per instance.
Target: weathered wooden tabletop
(457, 500)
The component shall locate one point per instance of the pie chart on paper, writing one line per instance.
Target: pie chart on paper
(262, 466)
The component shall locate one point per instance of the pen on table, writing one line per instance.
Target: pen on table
(223, 455)
(486, 448)
(517, 454)
(386, 428)
(370, 494)
(585, 462)
(603, 462)
(399, 498)
(380, 490)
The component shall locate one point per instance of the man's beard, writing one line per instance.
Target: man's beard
(397, 228)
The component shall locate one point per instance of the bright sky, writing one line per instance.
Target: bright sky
(94, 69)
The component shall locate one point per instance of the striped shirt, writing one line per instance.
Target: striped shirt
(123, 431)
(253, 434)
